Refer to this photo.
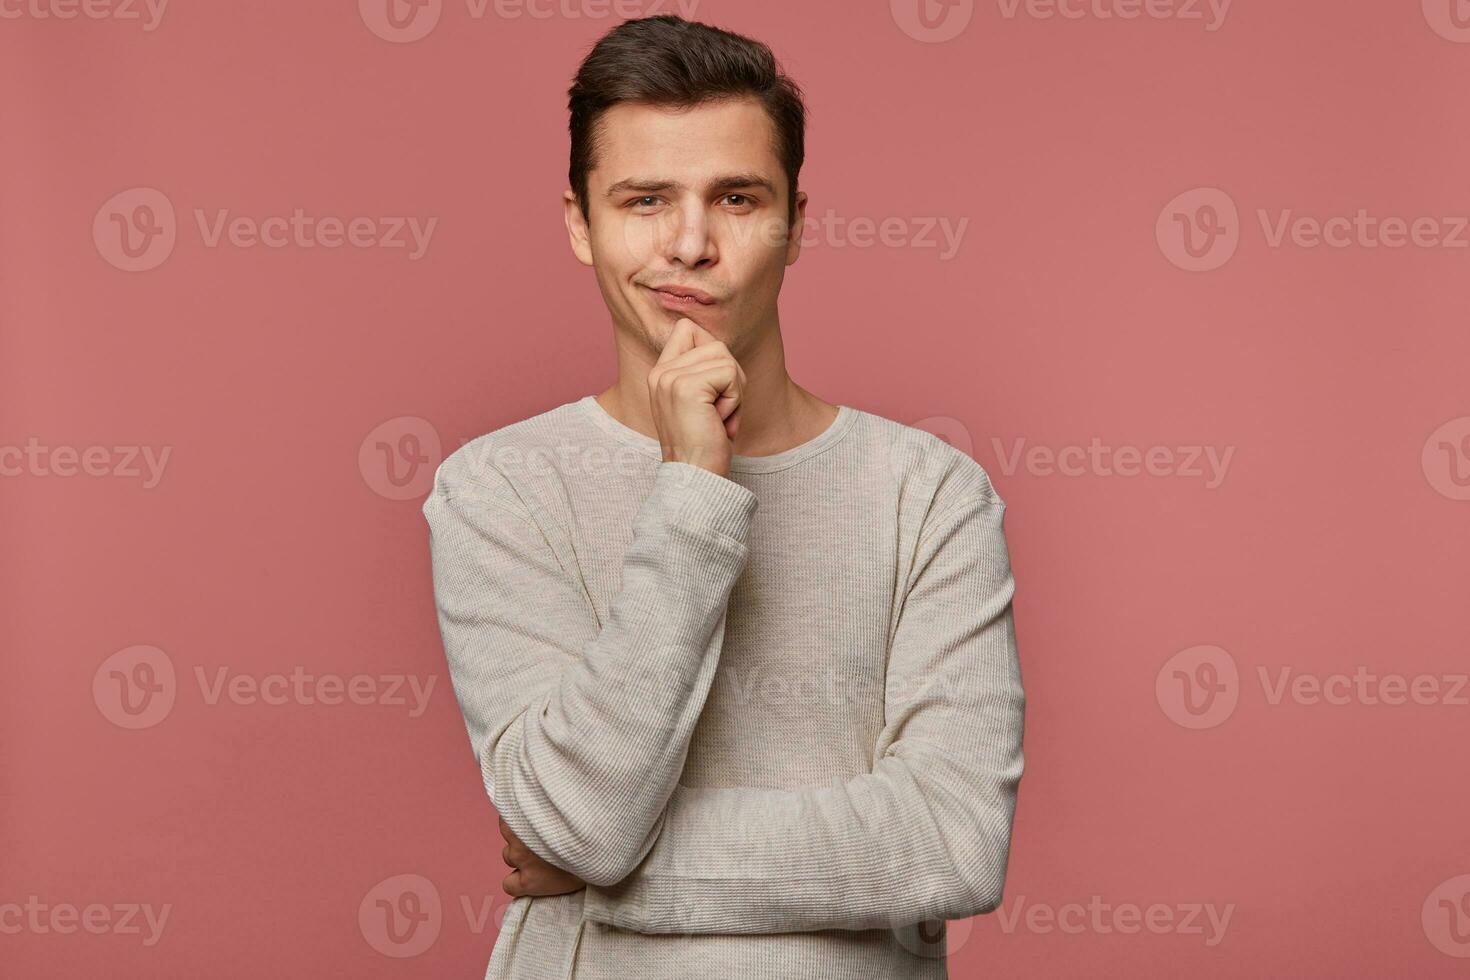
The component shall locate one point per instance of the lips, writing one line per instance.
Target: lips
(687, 295)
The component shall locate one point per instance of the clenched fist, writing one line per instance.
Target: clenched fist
(694, 392)
(531, 876)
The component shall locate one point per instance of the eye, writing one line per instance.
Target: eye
(647, 201)
(742, 201)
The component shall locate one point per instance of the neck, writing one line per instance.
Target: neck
(776, 413)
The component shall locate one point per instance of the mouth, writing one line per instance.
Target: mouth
(681, 298)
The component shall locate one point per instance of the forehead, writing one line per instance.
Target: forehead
(686, 145)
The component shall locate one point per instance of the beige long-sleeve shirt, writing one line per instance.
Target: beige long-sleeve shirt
(774, 720)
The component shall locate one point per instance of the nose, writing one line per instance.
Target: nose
(688, 239)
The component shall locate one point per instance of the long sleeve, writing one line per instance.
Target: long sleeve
(581, 730)
(924, 835)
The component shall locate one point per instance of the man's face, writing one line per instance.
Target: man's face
(687, 198)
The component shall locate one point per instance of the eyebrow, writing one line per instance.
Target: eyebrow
(728, 182)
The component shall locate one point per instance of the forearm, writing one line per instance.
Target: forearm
(910, 841)
(583, 770)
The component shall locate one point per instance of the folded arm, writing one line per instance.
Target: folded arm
(924, 835)
(581, 729)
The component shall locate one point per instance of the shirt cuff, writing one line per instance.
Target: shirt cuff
(706, 499)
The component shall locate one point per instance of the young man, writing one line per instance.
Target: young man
(737, 664)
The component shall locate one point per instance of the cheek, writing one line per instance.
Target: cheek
(758, 249)
(753, 239)
(631, 242)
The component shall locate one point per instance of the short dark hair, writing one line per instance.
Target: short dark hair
(667, 60)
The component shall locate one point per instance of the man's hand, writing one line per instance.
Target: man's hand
(530, 875)
(694, 392)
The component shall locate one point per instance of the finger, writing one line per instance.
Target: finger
(723, 379)
(707, 382)
(513, 884)
(680, 340)
(697, 355)
(690, 362)
(703, 336)
(728, 402)
(732, 420)
(552, 881)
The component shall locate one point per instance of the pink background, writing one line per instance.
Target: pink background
(1333, 834)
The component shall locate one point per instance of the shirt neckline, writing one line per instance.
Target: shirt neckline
(650, 446)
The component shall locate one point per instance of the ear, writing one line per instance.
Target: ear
(793, 239)
(577, 230)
